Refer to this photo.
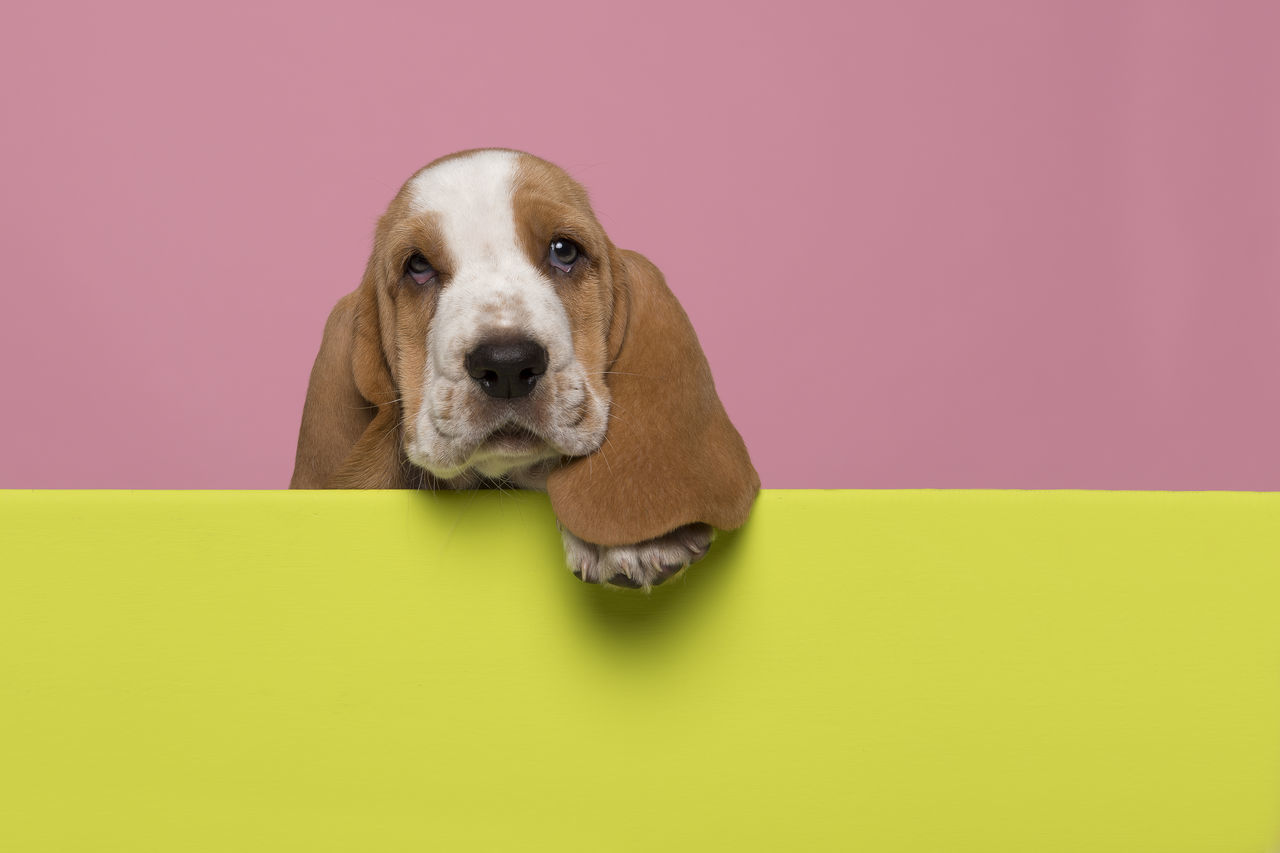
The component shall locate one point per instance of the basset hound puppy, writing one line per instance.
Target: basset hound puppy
(499, 338)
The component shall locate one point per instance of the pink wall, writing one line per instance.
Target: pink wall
(981, 244)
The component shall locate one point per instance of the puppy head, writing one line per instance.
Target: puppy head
(499, 333)
(492, 282)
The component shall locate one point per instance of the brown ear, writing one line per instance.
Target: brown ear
(670, 457)
(350, 435)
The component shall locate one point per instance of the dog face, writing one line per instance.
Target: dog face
(498, 336)
(497, 277)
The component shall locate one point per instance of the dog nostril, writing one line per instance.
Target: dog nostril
(507, 367)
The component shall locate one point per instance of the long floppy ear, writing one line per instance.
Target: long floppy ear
(350, 435)
(670, 457)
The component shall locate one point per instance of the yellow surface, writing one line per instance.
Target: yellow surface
(933, 672)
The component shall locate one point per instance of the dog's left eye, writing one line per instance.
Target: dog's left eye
(563, 253)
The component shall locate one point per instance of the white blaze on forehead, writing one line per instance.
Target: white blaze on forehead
(471, 196)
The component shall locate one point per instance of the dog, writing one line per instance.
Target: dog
(498, 338)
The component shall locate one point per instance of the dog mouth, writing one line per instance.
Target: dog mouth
(513, 439)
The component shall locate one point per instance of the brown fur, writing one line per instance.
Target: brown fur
(671, 457)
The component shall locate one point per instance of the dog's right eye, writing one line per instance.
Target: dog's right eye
(419, 269)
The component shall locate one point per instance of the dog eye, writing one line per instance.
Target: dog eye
(563, 253)
(419, 269)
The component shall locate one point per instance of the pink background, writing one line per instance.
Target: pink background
(979, 244)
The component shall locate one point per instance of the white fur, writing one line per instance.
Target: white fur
(493, 289)
(644, 564)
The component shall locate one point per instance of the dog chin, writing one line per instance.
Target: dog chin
(515, 453)
(510, 449)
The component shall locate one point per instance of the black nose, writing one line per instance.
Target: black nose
(507, 368)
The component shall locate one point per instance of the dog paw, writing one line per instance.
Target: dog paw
(640, 566)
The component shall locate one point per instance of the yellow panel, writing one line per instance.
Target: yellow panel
(1031, 672)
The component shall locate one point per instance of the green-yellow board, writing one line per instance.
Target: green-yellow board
(1031, 672)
